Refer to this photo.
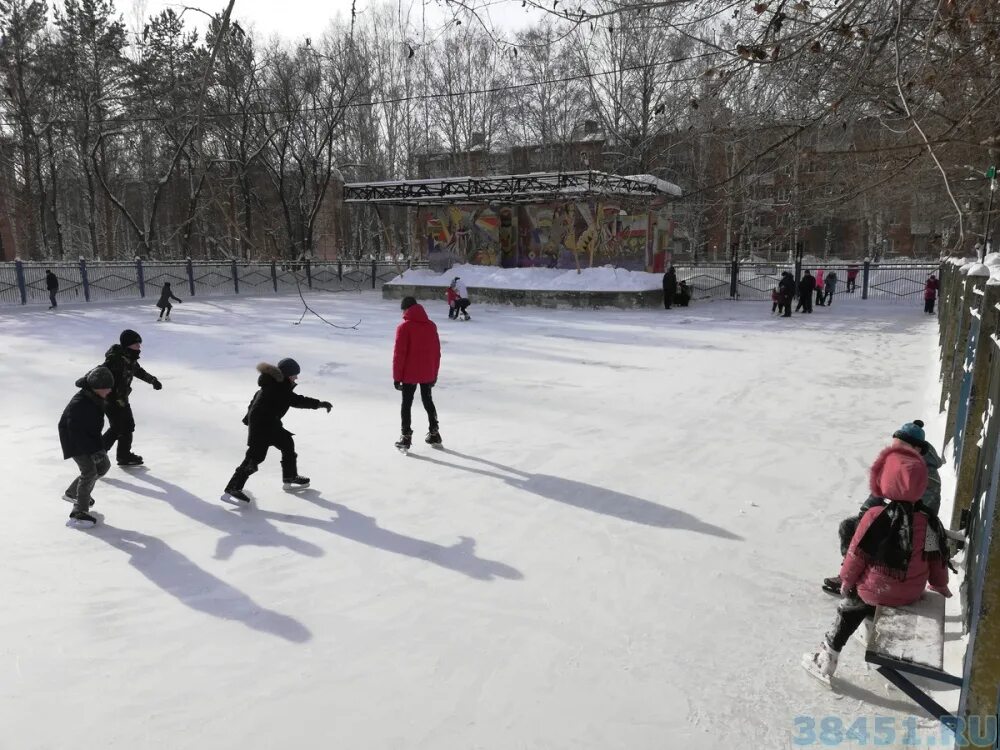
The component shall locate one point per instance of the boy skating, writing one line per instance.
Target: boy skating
(166, 294)
(275, 396)
(80, 438)
(452, 296)
(463, 302)
(416, 358)
(123, 361)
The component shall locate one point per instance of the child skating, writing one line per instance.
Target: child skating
(166, 294)
(80, 438)
(123, 361)
(275, 396)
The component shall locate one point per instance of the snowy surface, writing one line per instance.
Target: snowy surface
(913, 633)
(601, 279)
(621, 547)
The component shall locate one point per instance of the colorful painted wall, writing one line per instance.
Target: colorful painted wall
(558, 234)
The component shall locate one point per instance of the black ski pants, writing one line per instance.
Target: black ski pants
(166, 309)
(121, 425)
(668, 299)
(851, 612)
(409, 391)
(256, 453)
(52, 298)
(929, 306)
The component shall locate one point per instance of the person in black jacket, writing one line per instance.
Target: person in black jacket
(271, 402)
(669, 287)
(166, 294)
(80, 437)
(683, 294)
(786, 288)
(807, 285)
(52, 284)
(123, 361)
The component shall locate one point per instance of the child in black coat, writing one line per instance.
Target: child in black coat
(271, 402)
(80, 430)
(166, 294)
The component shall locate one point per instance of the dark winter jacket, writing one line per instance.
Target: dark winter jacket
(932, 495)
(82, 422)
(670, 282)
(787, 285)
(271, 402)
(51, 281)
(124, 365)
(416, 357)
(166, 294)
(807, 285)
(830, 282)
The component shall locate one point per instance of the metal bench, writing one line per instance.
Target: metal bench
(910, 640)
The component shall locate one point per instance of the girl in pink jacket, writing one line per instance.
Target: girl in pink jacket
(897, 550)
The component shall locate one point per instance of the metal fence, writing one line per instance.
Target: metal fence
(887, 282)
(23, 283)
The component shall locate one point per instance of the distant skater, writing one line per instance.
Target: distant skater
(166, 294)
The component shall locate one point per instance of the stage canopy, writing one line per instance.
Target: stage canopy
(537, 187)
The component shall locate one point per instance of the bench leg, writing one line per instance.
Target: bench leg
(918, 696)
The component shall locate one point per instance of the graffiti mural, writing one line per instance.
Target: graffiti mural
(563, 234)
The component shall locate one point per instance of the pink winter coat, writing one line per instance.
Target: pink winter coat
(899, 473)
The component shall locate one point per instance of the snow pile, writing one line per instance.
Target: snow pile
(602, 279)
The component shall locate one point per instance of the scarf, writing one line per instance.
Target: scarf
(888, 543)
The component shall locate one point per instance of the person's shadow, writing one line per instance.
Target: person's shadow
(247, 529)
(586, 496)
(197, 588)
(349, 524)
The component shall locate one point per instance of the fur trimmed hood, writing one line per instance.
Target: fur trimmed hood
(268, 370)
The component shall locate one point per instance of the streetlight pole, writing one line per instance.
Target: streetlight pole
(991, 174)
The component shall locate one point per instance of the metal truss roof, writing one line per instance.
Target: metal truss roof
(537, 187)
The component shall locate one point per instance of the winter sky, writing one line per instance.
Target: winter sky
(293, 19)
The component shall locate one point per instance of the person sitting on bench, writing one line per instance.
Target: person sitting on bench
(931, 497)
(897, 550)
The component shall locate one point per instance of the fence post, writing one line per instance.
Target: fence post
(309, 275)
(373, 274)
(864, 279)
(340, 270)
(952, 324)
(236, 278)
(140, 277)
(190, 273)
(968, 461)
(21, 286)
(274, 276)
(734, 275)
(961, 352)
(85, 280)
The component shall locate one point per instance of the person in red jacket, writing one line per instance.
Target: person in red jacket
(930, 293)
(416, 358)
(452, 296)
(897, 550)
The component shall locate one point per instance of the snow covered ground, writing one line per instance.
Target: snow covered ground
(620, 548)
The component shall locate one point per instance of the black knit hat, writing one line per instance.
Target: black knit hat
(129, 337)
(407, 303)
(289, 367)
(100, 377)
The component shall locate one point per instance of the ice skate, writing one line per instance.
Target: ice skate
(404, 443)
(130, 460)
(433, 439)
(231, 493)
(821, 664)
(295, 483)
(80, 519)
(831, 585)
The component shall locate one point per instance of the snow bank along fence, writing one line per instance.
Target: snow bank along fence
(750, 281)
(969, 335)
(23, 283)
